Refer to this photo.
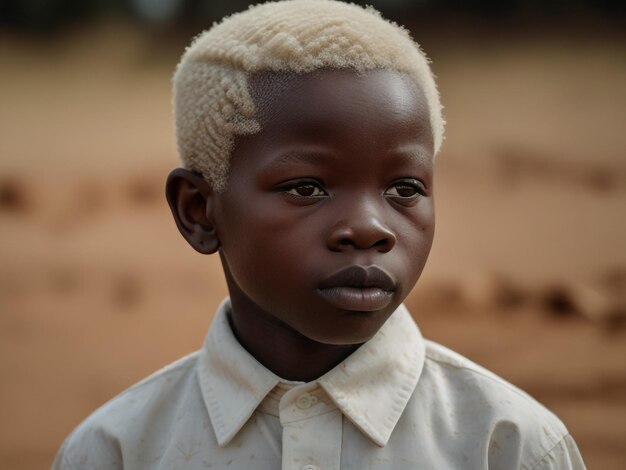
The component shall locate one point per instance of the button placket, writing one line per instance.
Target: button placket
(303, 402)
(306, 401)
(312, 429)
(313, 443)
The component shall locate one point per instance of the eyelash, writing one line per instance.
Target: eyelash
(293, 185)
(407, 183)
(290, 188)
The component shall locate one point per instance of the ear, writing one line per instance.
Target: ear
(191, 199)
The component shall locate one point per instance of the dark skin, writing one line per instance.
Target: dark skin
(328, 215)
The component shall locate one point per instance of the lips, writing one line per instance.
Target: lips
(358, 288)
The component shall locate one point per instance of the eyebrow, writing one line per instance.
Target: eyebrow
(411, 155)
(318, 157)
(313, 157)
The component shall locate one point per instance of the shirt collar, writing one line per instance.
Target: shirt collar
(371, 387)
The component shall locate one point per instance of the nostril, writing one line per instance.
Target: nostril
(370, 236)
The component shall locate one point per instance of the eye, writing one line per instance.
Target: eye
(304, 189)
(405, 190)
(307, 190)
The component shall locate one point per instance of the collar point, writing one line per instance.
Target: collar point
(380, 440)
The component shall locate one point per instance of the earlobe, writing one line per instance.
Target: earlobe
(190, 198)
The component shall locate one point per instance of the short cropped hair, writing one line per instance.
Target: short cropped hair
(212, 100)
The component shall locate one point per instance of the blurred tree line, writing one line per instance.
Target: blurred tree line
(51, 15)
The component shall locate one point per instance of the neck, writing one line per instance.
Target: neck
(277, 346)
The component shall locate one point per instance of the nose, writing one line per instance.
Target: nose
(362, 233)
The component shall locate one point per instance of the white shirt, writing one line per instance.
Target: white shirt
(398, 402)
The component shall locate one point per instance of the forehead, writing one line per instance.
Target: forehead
(379, 103)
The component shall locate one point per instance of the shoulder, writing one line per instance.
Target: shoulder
(453, 366)
(148, 406)
(487, 411)
(473, 386)
(469, 382)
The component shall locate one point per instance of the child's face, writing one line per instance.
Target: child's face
(328, 216)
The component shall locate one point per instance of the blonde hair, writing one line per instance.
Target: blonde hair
(212, 101)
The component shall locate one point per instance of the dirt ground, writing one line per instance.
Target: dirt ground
(527, 275)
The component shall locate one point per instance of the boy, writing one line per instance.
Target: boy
(308, 131)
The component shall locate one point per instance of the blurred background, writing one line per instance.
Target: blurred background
(527, 275)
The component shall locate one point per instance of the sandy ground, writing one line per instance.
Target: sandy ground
(97, 289)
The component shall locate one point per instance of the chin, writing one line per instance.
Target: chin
(337, 338)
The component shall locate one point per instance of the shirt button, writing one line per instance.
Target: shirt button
(310, 467)
(304, 402)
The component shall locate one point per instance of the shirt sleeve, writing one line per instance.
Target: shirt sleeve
(563, 456)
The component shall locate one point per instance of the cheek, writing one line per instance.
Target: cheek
(415, 238)
(426, 222)
(417, 226)
(265, 243)
(425, 217)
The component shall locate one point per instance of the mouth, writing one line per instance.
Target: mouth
(358, 288)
